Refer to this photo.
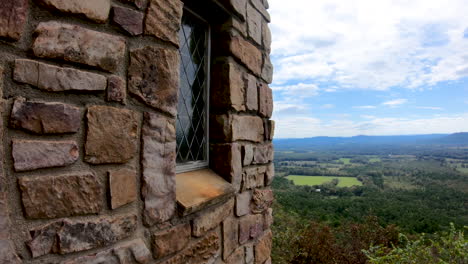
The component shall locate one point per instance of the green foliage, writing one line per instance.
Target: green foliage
(318, 180)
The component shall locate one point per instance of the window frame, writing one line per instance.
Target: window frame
(198, 165)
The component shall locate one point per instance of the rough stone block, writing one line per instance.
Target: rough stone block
(263, 249)
(158, 164)
(228, 87)
(269, 129)
(116, 89)
(265, 100)
(260, 6)
(237, 6)
(112, 135)
(263, 154)
(163, 20)
(221, 127)
(77, 44)
(266, 37)
(225, 159)
(170, 241)
(254, 24)
(204, 250)
(128, 19)
(123, 187)
(247, 53)
(134, 251)
(56, 79)
(45, 118)
(7, 249)
(60, 196)
(247, 154)
(237, 257)
(36, 154)
(230, 236)
(212, 218)
(268, 219)
(153, 77)
(269, 174)
(140, 4)
(261, 200)
(13, 16)
(97, 10)
(267, 70)
(250, 227)
(249, 254)
(243, 203)
(247, 128)
(253, 177)
(251, 93)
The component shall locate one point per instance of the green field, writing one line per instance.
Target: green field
(317, 180)
(345, 161)
(375, 160)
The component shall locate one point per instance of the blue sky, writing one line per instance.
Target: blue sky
(369, 67)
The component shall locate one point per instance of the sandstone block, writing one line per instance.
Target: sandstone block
(268, 219)
(45, 118)
(60, 196)
(170, 241)
(247, 154)
(212, 218)
(253, 177)
(237, 257)
(225, 159)
(116, 89)
(13, 15)
(97, 10)
(163, 20)
(112, 135)
(261, 200)
(56, 79)
(269, 129)
(221, 127)
(254, 24)
(249, 254)
(77, 44)
(228, 87)
(134, 251)
(158, 165)
(247, 53)
(260, 6)
(267, 70)
(263, 154)
(266, 37)
(250, 227)
(247, 128)
(237, 6)
(123, 187)
(265, 100)
(153, 77)
(263, 248)
(243, 203)
(128, 19)
(251, 93)
(140, 4)
(230, 236)
(36, 154)
(203, 251)
(269, 174)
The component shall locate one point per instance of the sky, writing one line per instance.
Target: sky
(369, 67)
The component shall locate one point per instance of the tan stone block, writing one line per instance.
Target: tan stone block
(250, 227)
(97, 10)
(230, 236)
(261, 200)
(247, 154)
(269, 129)
(204, 250)
(116, 89)
(163, 20)
(251, 92)
(254, 24)
(60, 196)
(249, 254)
(225, 159)
(112, 135)
(128, 19)
(247, 128)
(265, 98)
(267, 70)
(227, 88)
(77, 44)
(270, 174)
(263, 249)
(153, 77)
(263, 154)
(247, 53)
(44, 117)
(37, 154)
(252, 177)
(266, 37)
(237, 6)
(268, 219)
(170, 241)
(243, 203)
(123, 187)
(238, 257)
(260, 6)
(211, 218)
(13, 16)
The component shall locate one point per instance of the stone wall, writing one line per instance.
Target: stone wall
(89, 94)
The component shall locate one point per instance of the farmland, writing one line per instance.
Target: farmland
(319, 180)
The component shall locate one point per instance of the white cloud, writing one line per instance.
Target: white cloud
(298, 91)
(365, 107)
(328, 106)
(395, 103)
(430, 107)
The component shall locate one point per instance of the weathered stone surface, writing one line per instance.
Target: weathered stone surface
(170, 241)
(13, 15)
(267, 70)
(265, 100)
(227, 88)
(269, 174)
(266, 4)
(247, 128)
(263, 248)
(36, 154)
(163, 20)
(238, 6)
(116, 89)
(261, 200)
(267, 219)
(1, 80)
(266, 37)
(253, 177)
(243, 203)
(112, 135)
(249, 254)
(153, 76)
(45, 118)
(269, 129)
(230, 236)
(250, 226)
(247, 53)
(260, 6)
(263, 154)
(247, 154)
(97, 10)
(69, 236)
(60, 196)
(251, 93)
(211, 218)
(123, 187)
(128, 19)
(77, 44)
(56, 79)
(203, 251)
(254, 24)
(134, 251)
(237, 257)
(225, 159)
(7, 249)
(234, 23)
(220, 127)
(158, 165)
(141, 4)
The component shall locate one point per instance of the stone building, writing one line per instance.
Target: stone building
(135, 131)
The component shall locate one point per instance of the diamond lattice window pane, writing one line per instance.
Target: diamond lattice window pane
(191, 122)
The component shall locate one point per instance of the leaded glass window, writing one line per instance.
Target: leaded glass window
(192, 110)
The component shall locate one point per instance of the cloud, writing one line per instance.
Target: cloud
(430, 107)
(297, 91)
(328, 106)
(365, 107)
(395, 103)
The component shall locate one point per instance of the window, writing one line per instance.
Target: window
(192, 109)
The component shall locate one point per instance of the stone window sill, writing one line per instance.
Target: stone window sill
(198, 189)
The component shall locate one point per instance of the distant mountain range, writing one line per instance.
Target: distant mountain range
(431, 139)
